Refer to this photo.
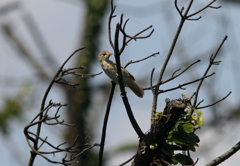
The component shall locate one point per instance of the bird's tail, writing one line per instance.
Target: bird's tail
(136, 89)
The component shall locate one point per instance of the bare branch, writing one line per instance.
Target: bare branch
(117, 54)
(131, 62)
(215, 102)
(140, 33)
(225, 156)
(175, 72)
(124, 34)
(176, 6)
(173, 77)
(125, 24)
(199, 102)
(194, 19)
(83, 75)
(127, 161)
(140, 37)
(151, 80)
(104, 128)
(183, 18)
(188, 8)
(211, 62)
(180, 86)
(158, 133)
(44, 118)
(109, 23)
(207, 6)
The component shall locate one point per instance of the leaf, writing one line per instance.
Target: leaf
(187, 127)
(174, 161)
(181, 158)
(168, 149)
(192, 148)
(185, 138)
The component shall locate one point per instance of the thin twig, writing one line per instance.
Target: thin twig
(122, 29)
(175, 72)
(199, 102)
(124, 35)
(207, 6)
(211, 62)
(151, 80)
(131, 62)
(140, 37)
(180, 86)
(194, 19)
(176, 6)
(127, 161)
(139, 33)
(83, 75)
(215, 102)
(40, 115)
(155, 96)
(173, 77)
(109, 23)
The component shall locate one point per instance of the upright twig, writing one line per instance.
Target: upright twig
(184, 17)
(104, 128)
(211, 62)
(174, 75)
(121, 84)
(109, 23)
(120, 27)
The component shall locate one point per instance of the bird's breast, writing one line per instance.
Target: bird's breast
(110, 70)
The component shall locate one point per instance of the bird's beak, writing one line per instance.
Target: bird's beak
(110, 54)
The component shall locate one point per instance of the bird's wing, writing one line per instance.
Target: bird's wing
(131, 76)
(127, 72)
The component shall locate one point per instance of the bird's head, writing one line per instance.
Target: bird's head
(104, 55)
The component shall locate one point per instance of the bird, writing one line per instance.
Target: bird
(110, 69)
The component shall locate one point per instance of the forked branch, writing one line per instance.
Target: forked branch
(43, 117)
(211, 63)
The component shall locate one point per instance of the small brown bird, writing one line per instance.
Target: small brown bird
(110, 70)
